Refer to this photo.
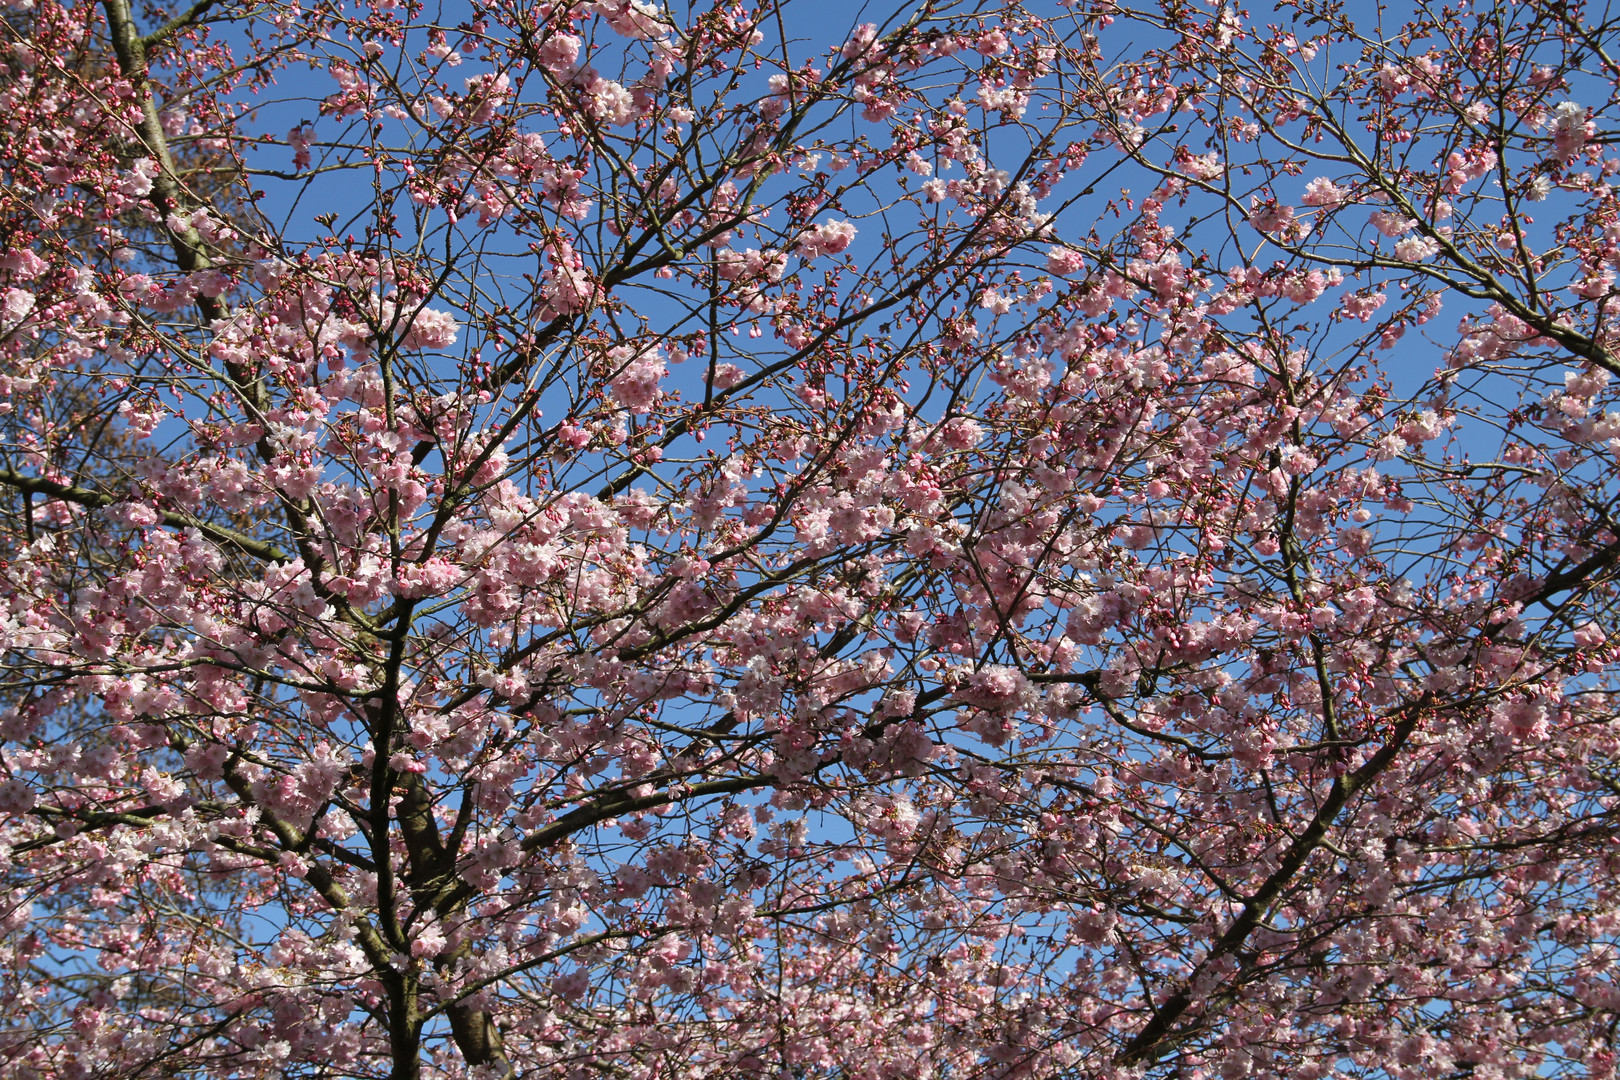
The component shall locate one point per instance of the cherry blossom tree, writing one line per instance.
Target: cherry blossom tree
(588, 539)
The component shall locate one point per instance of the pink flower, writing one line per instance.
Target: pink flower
(431, 578)
(431, 330)
(1269, 216)
(1390, 223)
(1324, 193)
(418, 328)
(559, 53)
(611, 103)
(636, 387)
(1416, 248)
(860, 41)
(828, 239)
(567, 288)
(16, 797)
(1589, 634)
(429, 942)
(1570, 129)
(1361, 305)
(1065, 261)
(15, 306)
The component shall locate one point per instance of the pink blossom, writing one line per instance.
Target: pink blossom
(15, 306)
(611, 103)
(1416, 248)
(1324, 193)
(418, 327)
(828, 239)
(560, 52)
(1390, 223)
(568, 288)
(1270, 216)
(16, 797)
(1570, 129)
(860, 42)
(1361, 306)
(636, 386)
(632, 18)
(431, 578)
(1064, 261)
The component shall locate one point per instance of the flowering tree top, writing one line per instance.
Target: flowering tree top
(997, 540)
